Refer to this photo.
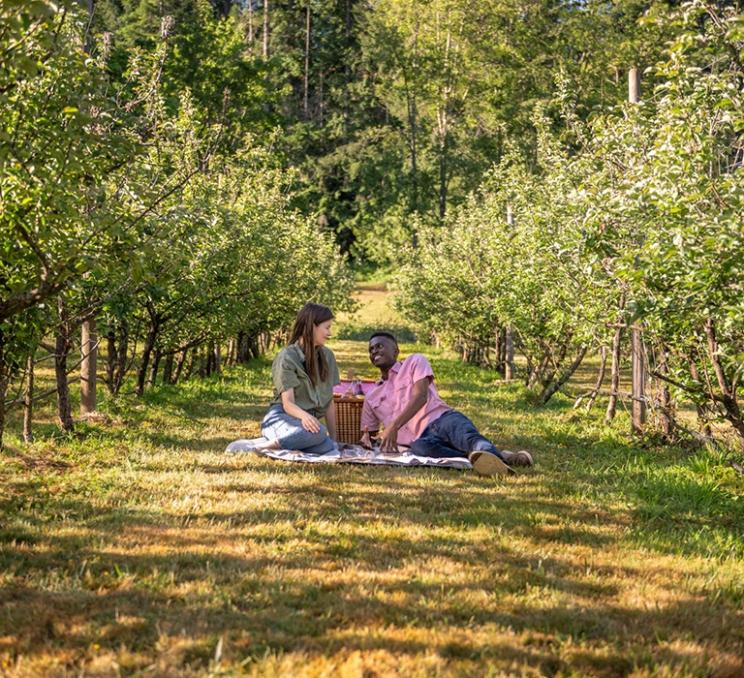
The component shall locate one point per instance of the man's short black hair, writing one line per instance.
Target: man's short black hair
(384, 334)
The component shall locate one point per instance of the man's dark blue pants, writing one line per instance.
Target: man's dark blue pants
(452, 435)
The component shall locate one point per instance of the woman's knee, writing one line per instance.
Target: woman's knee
(324, 446)
(317, 438)
(297, 438)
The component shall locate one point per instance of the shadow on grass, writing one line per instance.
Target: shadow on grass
(317, 560)
(291, 592)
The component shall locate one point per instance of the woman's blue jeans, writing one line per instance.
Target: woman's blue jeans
(278, 425)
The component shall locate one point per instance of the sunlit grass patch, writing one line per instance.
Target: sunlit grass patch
(137, 547)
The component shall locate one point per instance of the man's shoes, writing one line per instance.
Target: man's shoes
(487, 464)
(521, 458)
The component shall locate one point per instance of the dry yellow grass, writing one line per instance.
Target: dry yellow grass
(140, 549)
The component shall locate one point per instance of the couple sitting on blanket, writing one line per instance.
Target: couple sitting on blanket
(405, 402)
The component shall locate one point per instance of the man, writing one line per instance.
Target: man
(406, 402)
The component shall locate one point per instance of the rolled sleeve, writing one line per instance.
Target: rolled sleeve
(420, 368)
(284, 374)
(369, 420)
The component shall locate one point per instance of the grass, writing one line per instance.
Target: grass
(137, 548)
(375, 312)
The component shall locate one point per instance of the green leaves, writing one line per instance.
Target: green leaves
(646, 202)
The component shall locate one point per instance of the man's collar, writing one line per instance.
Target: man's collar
(394, 369)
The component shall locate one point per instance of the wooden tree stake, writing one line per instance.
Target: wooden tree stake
(509, 338)
(28, 400)
(638, 380)
(636, 336)
(89, 348)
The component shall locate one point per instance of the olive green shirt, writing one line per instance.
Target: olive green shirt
(288, 371)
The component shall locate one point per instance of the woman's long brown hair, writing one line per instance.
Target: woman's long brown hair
(309, 316)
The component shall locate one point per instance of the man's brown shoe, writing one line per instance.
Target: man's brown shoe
(521, 458)
(487, 464)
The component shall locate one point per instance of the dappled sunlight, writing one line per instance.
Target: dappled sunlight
(148, 551)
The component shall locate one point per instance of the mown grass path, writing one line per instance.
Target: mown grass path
(138, 548)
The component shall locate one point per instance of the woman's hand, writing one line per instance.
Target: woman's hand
(309, 422)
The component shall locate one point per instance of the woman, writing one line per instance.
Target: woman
(304, 374)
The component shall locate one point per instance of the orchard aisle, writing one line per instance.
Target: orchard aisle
(140, 547)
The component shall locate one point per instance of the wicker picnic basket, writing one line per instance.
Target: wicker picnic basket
(348, 417)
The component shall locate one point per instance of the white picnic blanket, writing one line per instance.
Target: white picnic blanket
(350, 454)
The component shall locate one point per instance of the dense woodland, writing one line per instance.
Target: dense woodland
(185, 173)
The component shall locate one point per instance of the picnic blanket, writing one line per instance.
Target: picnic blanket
(349, 454)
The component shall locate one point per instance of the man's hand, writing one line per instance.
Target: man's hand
(366, 441)
(389, 439)
(310, 423)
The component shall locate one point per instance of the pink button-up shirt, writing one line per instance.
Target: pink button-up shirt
(390, 397)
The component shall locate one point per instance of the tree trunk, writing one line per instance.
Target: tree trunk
(110, 358)
(63, 344)
(443, 170)
(638, 387)
(262, 343)
(250, 25)
(349, 45)
(508, 354)
(617, 342)
(536, 374)
(121, 356)
(241, 348)
(509, 367)
(552, 388)
(412, 123)
(180, 360)
(600, 378)
(306, 83)
(154, 369)
(702, 414)
(254, 350)
(666, 413)
(265, 29)
(549, 376)
(217, 358)
(203, 369)
(3, 386)
(320, 98)
(168, 369)
(209, 360)
(193, 355)
(443, 128)
(152, 335)
(728, 401)
(88, 367)
(28, 400)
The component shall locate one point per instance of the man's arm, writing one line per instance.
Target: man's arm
(389, 438)
(369, 424)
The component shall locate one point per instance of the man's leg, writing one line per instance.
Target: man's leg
(458, 431)
(431, 445)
